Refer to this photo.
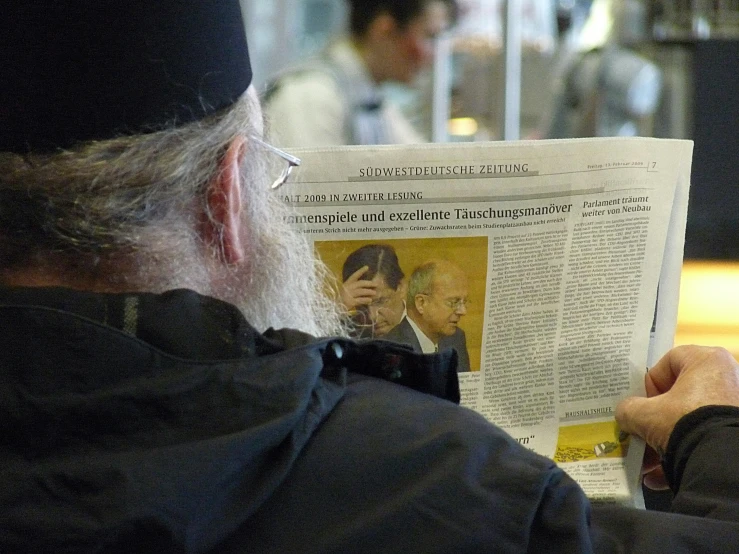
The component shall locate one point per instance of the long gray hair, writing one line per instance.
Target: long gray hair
(121, 197)
(125, 214)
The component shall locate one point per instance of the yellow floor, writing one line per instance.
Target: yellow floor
(708, 312)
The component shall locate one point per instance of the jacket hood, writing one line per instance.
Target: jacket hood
(167, 418)
(110, 433)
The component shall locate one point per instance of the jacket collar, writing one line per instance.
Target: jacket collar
(189, 326)
(167, 406)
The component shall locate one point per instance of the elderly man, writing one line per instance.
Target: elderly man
(141, 412)
(436, 302)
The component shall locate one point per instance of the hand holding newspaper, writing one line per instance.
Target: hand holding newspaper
(552, 267)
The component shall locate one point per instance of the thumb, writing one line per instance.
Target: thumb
(643, 417)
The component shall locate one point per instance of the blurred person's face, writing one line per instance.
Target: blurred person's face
(413, 48)
(443, 307)
(386, 310)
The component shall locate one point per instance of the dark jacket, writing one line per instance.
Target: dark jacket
(165, 423)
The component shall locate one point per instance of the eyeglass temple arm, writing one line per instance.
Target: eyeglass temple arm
(292, 160)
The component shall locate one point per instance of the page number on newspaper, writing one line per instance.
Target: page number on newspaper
(652, 166)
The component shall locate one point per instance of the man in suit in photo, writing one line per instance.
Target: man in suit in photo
(373, 290)
(436, 302)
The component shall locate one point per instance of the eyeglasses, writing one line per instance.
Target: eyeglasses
(291, 160)
(457, 303)
(379, 303)
(453, 303)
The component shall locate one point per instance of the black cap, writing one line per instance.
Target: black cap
(78, 70)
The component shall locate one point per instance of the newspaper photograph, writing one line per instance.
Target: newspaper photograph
(551, 267)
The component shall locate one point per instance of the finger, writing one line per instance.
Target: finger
(624, 414)
(363, 300)
(357, 293)
(649, 418)
(656, 480)
(664, 373)
(652, 460)
(633, 415)
(357, 274)
(362, 292)
(361, 287)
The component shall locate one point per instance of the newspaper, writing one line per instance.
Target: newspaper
(565, 262)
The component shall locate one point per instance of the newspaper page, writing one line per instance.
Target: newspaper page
(540, 262)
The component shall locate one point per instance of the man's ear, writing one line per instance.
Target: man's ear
(223, 228)
(420, 303)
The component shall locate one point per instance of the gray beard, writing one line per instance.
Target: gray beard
(282, 284)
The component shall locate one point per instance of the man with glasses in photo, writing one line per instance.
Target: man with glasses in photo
(162, 388)
(373, 290)
(436, 302)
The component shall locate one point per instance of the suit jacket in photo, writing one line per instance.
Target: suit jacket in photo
(403, 332)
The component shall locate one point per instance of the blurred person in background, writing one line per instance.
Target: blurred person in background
(336, 99)
(604, 86)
